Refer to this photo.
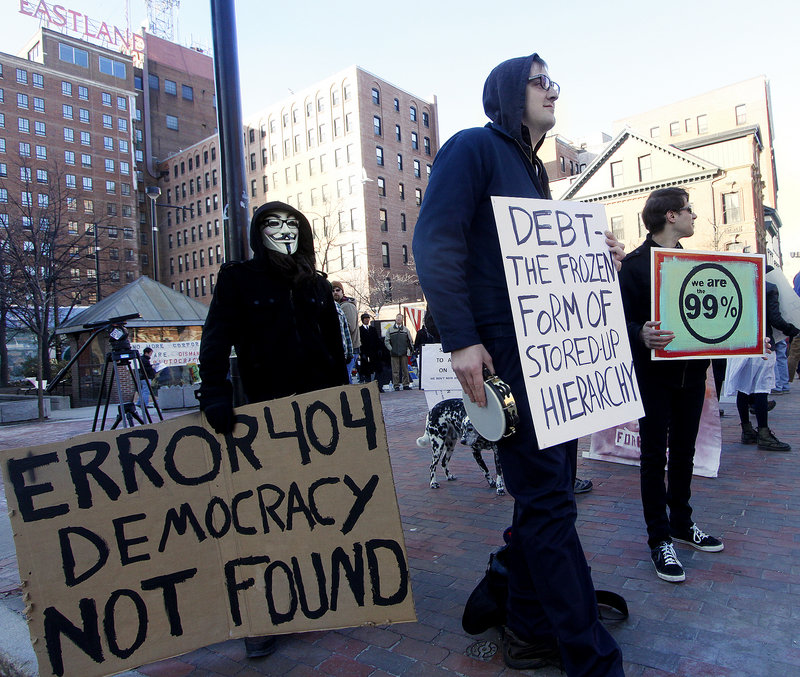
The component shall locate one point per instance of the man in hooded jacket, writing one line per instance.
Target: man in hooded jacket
(551, 602)
(279, 314)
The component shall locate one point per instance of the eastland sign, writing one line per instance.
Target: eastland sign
(58, 16)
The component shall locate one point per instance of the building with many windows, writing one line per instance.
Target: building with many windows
(718, 146)
(354, 153)
(66, 158)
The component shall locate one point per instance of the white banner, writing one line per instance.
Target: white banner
(174, 354)
(568, 317)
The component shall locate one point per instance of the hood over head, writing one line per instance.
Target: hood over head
(504, 96)
(302, 262)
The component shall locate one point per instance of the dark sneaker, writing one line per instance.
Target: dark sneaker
(521, 655)
(582, 486)
(749, 434)
(768, 442)
(258, 647)
(668, 566)
(697, 538)
(406, 387)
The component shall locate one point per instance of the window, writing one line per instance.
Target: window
(122, 124)
(412, 111)
(66, 111)
(38, 80)
(69, 135)
(38, 104)
(401, 189)
(381, 186)
(376, 96)
(426, 119)
(87, 183)
(24, 149)
(170, 87)
(152, 81)
(86, 139)
(109, 165)
(645, 171)
(24, 125)
(383, 219)
(741, 114)
(426, 142)
(403, 222)
(25, 174)
(655, 132)
(105, 98)
(22, 101)
(69, 157)
(122, 104)
(86, 160)
(172, 122)
(108, 143)
(405, 253)
(414, 141)
(111, 67)
(730, 208)
(376, 125)
(74, 55)
(416, 168)
(83, 93)
(418, 196)
(400, 161)
(379, 155)
(674, 128)
(617, 227)
(385, 254)
(616, 174)
(702, 124)
(41, 176)
(83, 115)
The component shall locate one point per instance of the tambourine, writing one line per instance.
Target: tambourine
(499, 417)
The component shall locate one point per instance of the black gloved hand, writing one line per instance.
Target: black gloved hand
(220, 417)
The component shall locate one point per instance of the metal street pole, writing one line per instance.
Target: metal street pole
(154, 192)
(96, 263)
(229, 117)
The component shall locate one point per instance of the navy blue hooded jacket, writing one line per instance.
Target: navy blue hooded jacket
(456, 248)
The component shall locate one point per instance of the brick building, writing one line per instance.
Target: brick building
(354, 153)
(66, 157)
(718, 146)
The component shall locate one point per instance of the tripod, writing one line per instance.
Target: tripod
(126, 411)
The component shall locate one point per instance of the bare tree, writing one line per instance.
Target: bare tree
(43, 252)
(380, 286)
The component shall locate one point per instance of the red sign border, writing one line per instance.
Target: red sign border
(660, 255)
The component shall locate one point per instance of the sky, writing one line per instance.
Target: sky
(612, 59)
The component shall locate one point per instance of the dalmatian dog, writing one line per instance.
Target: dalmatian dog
(447, 422)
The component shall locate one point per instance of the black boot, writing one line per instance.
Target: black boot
(749, 434)
(768, 442)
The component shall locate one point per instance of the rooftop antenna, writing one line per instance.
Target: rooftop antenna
(161, 18)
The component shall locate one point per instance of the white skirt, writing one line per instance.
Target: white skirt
(749, 375)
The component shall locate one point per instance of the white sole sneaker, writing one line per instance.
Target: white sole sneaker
(696, 546)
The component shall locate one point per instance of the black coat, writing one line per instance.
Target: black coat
(774, 317)
(285, 330)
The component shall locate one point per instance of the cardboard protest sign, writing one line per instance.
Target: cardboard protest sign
(712, 301)
(568, 317)
(622, 443)
(437, 377)
(147, 542)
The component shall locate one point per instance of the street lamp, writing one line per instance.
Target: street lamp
(154, 192)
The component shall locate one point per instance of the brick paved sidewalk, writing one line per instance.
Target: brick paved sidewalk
(736, 615)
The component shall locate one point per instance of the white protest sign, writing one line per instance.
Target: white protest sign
(437, 373)
(568, 317)
(171, 354)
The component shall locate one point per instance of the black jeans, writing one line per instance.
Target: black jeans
(672, 417)
(550, 587)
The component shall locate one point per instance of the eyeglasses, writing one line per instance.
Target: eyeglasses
(275, 222)
(687, 208)
(545, 83)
